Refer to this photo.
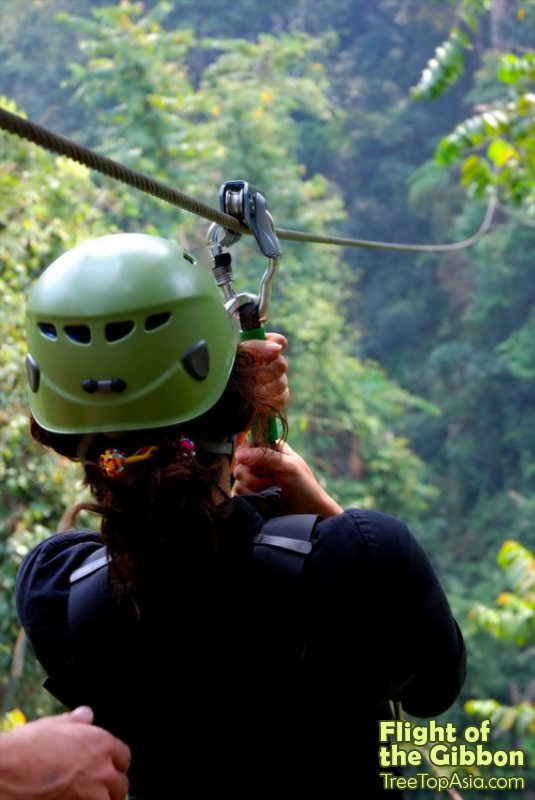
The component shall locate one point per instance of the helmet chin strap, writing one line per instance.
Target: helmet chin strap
(203, 446)
(218, 448)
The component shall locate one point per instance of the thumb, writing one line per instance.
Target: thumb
(81, 714)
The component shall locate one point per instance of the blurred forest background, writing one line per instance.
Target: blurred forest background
(412, 374)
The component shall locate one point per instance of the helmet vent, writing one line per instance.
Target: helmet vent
(48, 330)
(115, 331)
(188, 257)
(81, 334)
(156, 321)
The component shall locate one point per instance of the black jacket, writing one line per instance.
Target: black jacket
(228, 677)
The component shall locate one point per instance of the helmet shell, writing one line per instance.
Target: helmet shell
(126, 332)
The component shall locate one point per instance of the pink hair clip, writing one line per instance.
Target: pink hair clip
(186, 446)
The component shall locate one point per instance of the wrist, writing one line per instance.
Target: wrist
(328, 507)
(315, 501)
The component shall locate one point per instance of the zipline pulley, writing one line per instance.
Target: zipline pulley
(245, 202)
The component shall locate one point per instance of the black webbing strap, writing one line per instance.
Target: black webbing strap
(283, 543)
(280, 547)
(90, 591)
(249, 319)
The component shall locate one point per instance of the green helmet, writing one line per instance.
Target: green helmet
(126, 333)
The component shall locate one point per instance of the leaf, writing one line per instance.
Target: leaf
(443, 69)
(500, 152)
(512, 69)
(481, 708)
(475, 173)
(12, 719)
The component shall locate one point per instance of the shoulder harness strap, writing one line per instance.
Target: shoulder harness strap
(283, 543)
(89, 590)
(280, 547)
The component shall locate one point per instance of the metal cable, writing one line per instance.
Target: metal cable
(26, 129)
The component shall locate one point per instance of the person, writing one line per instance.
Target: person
(63, 756)
(220, 671)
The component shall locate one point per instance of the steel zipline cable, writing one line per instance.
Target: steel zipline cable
(26, 129)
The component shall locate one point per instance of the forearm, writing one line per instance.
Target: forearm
(12, 765)
(319, 502)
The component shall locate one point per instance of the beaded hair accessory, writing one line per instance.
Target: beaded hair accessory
(113, 462)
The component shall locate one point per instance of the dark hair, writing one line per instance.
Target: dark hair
(158, 503)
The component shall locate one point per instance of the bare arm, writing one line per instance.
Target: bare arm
(63, 758)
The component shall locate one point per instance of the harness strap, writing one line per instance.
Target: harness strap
(280, 548)
(90, 590)
(98, 558)
(283, 543)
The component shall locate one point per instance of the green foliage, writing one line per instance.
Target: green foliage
(504, 718)
(480, 367)
(482, 355)
(515, 69)
(448, 63)
(517, 350)
(513, 620)
(505, 137)
(444, 69)
(494, 147)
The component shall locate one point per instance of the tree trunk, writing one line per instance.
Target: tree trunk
(497, 15)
